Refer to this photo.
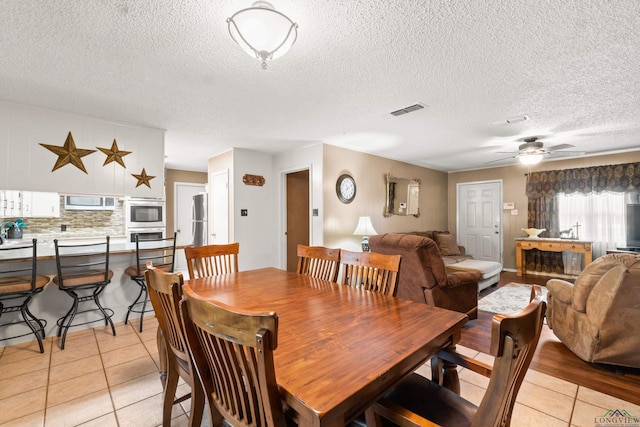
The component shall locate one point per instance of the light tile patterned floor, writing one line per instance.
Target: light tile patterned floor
(101, 380)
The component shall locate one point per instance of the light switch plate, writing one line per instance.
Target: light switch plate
(508, 205)
(514, 212)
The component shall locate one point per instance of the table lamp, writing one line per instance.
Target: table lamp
(365, 229)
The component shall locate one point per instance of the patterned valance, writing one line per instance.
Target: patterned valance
(621, 178)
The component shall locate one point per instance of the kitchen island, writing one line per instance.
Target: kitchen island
(52, 303)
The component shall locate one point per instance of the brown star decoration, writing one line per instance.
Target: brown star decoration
(114, 154)
(68, 153)
(143, 178)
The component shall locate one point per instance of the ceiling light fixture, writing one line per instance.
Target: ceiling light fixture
(530, 159)
(263, 32)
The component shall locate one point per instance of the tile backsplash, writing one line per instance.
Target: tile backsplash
(78, 222)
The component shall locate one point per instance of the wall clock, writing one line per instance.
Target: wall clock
(346, 188)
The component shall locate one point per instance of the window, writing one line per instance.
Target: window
(600, 217)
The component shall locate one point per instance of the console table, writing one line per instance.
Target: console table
(550, 245)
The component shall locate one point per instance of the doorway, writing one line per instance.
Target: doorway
(297, 201)
(479, 213)
(184, 192)
(219, 218)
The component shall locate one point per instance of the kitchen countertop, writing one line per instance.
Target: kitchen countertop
(46, 248)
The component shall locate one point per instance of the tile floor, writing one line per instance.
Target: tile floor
(101, 380)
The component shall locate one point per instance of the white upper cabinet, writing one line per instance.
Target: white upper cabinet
(38, 204)
(11, 204)
(27, 165)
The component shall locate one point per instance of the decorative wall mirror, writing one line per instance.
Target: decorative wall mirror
(403, 197)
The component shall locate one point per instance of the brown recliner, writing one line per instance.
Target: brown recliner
(423, 277)
(598, 316)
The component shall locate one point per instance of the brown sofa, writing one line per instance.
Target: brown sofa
(598, 316)
(450, 250)
(423, 277)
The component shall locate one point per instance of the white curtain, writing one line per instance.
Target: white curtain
(601, 219)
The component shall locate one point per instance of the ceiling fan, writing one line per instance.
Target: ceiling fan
(533, 151)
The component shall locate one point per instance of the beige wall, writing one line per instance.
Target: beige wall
(369, 173)
(172, 177)
(513, 190)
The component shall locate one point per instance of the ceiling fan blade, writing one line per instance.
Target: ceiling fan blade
(499, 160)
(567, 153)
(560, 147)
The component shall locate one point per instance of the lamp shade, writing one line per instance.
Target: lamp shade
(263, 32)
(364, 227)
(530, 159)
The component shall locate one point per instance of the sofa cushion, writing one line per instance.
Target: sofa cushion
(447, 243)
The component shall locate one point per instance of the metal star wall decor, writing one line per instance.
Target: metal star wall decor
(114, 154)
(68, 153)
(143, 178)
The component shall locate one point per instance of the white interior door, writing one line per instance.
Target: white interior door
(480, 219)
(219, 207)
(184, 192)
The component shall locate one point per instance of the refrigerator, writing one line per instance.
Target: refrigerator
(199, 227)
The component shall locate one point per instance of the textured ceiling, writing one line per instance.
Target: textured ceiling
(573, 66)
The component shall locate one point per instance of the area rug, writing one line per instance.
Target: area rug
(508, 299)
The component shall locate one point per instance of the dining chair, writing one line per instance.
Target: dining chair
(82, 273)
(19, 283)
(418, 401)
(165, 292)
(319, 262)
(370, 270)
(212, 260)
(233, 354)
(159, 252)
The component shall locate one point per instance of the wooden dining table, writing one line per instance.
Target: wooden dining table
(339, 348)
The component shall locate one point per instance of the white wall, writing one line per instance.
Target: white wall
(257, 232)
(26, 165)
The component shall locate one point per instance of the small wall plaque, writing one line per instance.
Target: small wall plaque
(253, 180)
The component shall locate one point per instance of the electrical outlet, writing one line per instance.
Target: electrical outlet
(514, 212)
(244, 212)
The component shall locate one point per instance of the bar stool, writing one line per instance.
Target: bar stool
(161, 254)
(19, 282)
(83, 273)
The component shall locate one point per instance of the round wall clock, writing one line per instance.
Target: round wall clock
(346, 188)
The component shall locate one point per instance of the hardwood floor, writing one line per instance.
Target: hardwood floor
(553, 358)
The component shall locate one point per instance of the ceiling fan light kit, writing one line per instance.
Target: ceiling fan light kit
(530, 159)
(263, 32)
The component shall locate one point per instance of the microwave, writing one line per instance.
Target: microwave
(145, 213)
(89, 203)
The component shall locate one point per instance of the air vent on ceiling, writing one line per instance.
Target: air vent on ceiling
(409, 109)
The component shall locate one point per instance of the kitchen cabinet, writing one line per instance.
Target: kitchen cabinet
(38, 204)
(10, 203)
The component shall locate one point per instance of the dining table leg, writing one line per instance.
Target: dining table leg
(445, 373)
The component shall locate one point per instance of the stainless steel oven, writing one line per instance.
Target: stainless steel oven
(145, 233)
(142, 213)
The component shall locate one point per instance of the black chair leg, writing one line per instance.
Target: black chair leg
(65, 322)
(107, 318)
(142, 298)
(28, 318)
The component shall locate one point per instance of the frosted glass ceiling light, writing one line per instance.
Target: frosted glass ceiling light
(530, 159)
(263, 32)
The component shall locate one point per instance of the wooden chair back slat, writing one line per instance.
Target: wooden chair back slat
(371, 271)
(233, 354)
(319, 262)
(212, 260)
